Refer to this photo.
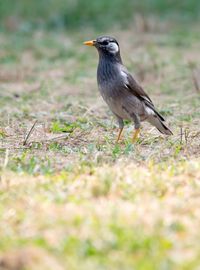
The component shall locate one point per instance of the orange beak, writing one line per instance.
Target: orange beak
(90, 43)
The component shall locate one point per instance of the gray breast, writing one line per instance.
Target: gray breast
(114, 94)
(109, 79)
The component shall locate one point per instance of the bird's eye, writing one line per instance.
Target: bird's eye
(105, 42)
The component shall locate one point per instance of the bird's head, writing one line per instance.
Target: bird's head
(105, 45)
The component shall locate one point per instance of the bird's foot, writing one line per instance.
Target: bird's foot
(135, 135)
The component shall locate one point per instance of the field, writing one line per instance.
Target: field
(70, 197)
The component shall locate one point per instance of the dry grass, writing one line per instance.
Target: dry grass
(70, 197)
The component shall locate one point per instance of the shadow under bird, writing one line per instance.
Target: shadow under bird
(124, 96)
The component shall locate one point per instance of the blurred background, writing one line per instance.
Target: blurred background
(70, 197)
(26, 15)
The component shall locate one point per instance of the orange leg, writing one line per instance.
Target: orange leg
(119, 134)
(135, 135)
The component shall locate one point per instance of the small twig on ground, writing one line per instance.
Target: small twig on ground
(65, 136)
(29, 133)
(186, 135)
(181, 134)
(50, 139)
(56, 138)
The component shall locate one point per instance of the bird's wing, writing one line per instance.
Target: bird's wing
(132, 85)
(134, 88)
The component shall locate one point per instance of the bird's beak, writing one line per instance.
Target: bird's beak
(90, 42)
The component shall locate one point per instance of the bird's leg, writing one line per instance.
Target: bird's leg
(119, 134)
(136, 120)
(121, 126)
(135, 135)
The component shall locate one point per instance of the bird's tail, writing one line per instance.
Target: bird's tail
(158, 123)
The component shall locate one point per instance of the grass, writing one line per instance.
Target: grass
(73, 199)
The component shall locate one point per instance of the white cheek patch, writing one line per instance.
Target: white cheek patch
(113, 47)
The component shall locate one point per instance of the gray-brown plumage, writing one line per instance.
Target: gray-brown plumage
(124, 96)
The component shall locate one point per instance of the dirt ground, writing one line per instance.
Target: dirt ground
(68, 192)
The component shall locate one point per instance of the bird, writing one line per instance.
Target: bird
(123, 94)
